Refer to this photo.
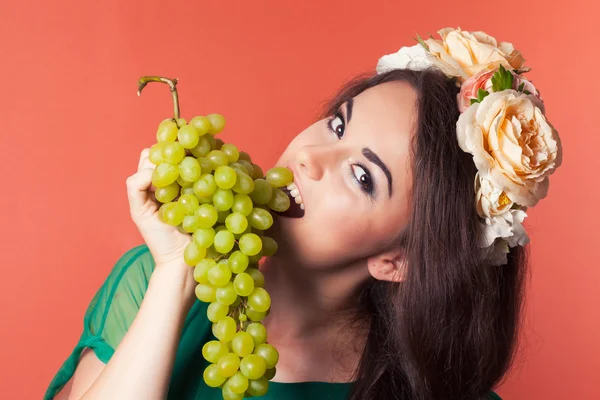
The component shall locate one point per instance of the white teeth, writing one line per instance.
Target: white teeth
(295, 193)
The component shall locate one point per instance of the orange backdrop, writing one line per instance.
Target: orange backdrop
(72, 127)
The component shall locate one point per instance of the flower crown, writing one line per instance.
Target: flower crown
(502, 124)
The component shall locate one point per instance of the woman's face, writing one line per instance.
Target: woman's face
(353, 175)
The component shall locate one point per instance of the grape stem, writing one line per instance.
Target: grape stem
(144, 80)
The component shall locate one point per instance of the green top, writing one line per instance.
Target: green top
(113, 310)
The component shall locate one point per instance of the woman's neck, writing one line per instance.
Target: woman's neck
(310, 303)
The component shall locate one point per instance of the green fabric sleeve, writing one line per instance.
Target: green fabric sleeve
(110, 313)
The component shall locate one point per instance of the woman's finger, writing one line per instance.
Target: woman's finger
(137, 189)
(143, 155)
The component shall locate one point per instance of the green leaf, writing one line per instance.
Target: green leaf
(422, 42)
(527, 92)
(482, 94)
(521, 86)
(473, 101)
(502, 80)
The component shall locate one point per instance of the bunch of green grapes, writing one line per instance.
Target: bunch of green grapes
(214, 192)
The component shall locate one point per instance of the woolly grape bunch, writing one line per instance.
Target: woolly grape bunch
(213, 191)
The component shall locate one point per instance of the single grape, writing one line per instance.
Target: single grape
(258, 387)
(255, 316)
(204, 199)
(258, 172)
(212, 253)
(260, 219)
(242, 204)
(172, 213)
(217, 158)
(173, 152)
(270, 373)
(269, 353)
(269, 246)
(225, 177)
(262, 192)
(229, 394)
(204, 237)
(166, 194)
(189, 202)
(249, 168)
(279, 177)
(232, 152)
(236, 222)
(259, 278)
(242, 344)
(213, 350)
(238, 383)
(244, 183)
(206, 293)
(226, 294)
(155, 155)
(220, 275)
(242, 317)
(222, 217)
(258, 333)
(190, 223)
(205, 165)
(217, 123)
(188, 136)
(250, 244)
(259, 299)
(238, 262)
(212, 376)
(202, 124)
(245, 156)
(164, 175)
(223, 199)
(181, 122)
(193, 254)
(243, 284)
(229, 365)
(225, 329)
(224, 241)
(208, 215)
(253, 366)
(202, 268)
(167, 131)
(216, 311)
(280, 201)
(190, 170)
(205, 186)
(202, 148)
(188, 190)
(212, 141)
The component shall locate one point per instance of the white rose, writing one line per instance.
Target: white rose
(415, 58)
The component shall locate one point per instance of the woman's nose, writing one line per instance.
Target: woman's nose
(311, 161)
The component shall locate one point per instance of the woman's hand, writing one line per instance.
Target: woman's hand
(166, 243)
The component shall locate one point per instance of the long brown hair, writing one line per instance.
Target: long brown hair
(449, 330)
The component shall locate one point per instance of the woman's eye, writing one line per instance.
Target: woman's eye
(336, 125)
(363, 177)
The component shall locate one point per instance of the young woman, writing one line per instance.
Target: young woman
(380, 289)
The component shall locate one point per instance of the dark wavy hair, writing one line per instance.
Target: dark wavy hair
(449, 329)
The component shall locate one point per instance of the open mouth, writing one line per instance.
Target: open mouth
(296, 209)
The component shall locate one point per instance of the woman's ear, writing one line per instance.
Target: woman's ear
(388, 266)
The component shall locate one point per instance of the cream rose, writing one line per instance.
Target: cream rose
(470, 53)
(512, 144)
(415, 58)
